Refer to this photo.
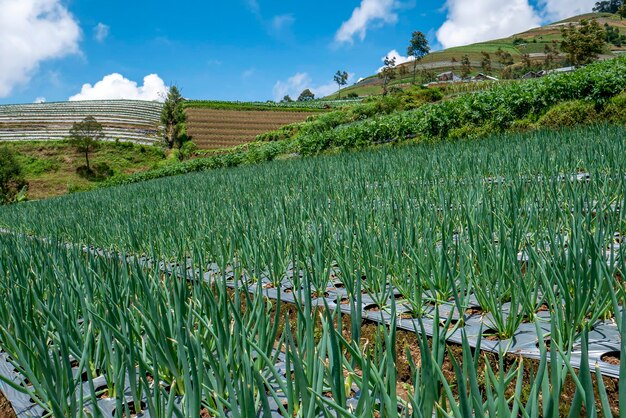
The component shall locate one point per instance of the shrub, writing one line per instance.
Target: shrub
(569, 113)
(615, 110)
(98, 172)
(12, 182)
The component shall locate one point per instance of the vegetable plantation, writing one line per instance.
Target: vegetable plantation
(283, 289)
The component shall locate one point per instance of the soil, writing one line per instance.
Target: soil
(6, 410)
(611, 358)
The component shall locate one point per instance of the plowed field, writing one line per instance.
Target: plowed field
(216, 128)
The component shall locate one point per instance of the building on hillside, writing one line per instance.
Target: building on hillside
(532, 74)
(561, 70)
(483, 77)
(448, 77)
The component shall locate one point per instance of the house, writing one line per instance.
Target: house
(484, 77)
(531, 74)
(448, 76)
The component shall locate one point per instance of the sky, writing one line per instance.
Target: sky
(247, 50)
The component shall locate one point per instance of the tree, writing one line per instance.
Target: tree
(453, 62)
(622, 11)
(485, 63)
(583, 43)
(551, 53)
(306, 95)
(174, 118)
(526, 61)
(85, 136)
(341, 78)
(387, 73)
(504, 58)
(12, 182)
(466, 66)
(287, 99)
(418, 49)
(608, 6)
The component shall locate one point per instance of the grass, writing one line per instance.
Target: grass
(50, 166)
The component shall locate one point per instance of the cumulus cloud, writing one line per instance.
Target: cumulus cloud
(482, 20)
(294, 85)
(40, 100)
(33, 31)
(369, 13)
(561, 9)
(115, 86)
(101, 32)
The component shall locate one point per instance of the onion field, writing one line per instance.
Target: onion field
(476, 278)
(124, 120)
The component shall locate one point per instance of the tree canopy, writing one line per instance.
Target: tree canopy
(12, 182)
(583, 43)
(306, 95)
(387, 73)
(341, 78)
(85, 137)
(174, 118)
(608, 6)
(418, 49)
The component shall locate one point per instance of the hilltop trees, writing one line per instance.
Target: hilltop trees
(341, 78)
(418, 49)
(387, 73)
(582, 44)
(306, 95)
(608, 6)
(12, 183)
(85, 136)
(485, 63)
(174, 118)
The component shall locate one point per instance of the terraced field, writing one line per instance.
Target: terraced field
(126, 120)
(221, 128)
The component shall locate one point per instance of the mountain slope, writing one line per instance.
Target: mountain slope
(531, 42)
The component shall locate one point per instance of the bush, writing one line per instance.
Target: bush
(98, 172)
(569, 113)
(12, 183)
(186, 151)
(615, 110)
(416, 97)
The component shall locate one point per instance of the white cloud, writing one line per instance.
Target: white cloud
(562, 9)
(294, 85)
(101, 32)
(40, 100)
(33, 31)
(369, 13)
(282, 22)
(482, 20)
(115, 86)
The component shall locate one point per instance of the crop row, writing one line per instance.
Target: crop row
(423, 220)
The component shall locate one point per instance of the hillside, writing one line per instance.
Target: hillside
(123, 120)
(531, 42)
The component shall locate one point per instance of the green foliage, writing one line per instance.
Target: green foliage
(608, 6)
(186, 151)
(99, 172)
(614, 36)
(174, 118)
(387, 73)
(615, 110)
(569, 113)
(418, 48)
(85, 136)
(583, 43)
(306, 96)
(341, 78)
(11, 179)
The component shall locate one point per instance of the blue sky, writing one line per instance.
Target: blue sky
(235, 50)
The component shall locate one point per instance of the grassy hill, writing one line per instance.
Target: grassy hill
(531, 42)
